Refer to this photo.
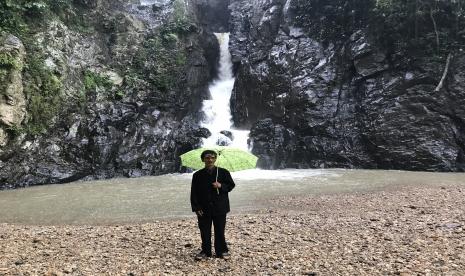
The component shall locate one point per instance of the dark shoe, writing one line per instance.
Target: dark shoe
(224, 255)
(201, 256)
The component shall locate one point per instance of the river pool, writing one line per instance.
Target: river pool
(153, 198)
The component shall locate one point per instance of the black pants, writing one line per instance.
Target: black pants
(205, 226)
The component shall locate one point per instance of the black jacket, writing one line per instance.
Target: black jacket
(206, 198)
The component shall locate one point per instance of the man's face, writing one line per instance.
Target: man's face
(209, 160)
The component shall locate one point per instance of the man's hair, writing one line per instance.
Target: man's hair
(205, 152)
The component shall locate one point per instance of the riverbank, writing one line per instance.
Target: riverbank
(418, 230)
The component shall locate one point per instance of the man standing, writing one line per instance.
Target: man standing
(210, 202)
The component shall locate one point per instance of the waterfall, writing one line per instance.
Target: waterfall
(218, 118)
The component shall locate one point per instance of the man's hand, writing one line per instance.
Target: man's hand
(199, 213)
(217, 185)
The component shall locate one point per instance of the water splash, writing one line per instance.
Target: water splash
(218, 118)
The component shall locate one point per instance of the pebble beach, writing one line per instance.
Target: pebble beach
(415, 230)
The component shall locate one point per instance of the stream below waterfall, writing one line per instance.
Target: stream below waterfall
(148, 199)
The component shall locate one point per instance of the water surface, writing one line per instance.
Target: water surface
(152, 198)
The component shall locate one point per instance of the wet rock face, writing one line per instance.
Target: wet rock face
(12, 99)
(115, 140)
(88, 3)
(141, 130)
(347, 101)
(273, 144)
(213, 15)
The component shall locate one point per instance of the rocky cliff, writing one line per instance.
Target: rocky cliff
(113, 89)
(321, 85)
(100, 89)
(12, 100)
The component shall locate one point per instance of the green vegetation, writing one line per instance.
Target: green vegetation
(19, 17)
(93, 81)
(432, 26)
(8, 61)
(42, 87)
(161, 61)
(15, 130)
(12, 17)
(95, 84)
(180, 23)
(162, 58)
(43, 90)
(179, 10)
(119, 94)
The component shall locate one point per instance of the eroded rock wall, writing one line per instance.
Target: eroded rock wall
(130, 84)
(12, 98)
(339, 99)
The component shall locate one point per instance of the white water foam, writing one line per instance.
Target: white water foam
(285, 174)
(218, 118)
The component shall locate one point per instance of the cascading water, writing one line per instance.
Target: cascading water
(217, 111)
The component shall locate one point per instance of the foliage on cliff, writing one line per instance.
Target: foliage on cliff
(18, 16)
(42, 87)
(162, 57)
(435, 26)
(432, 26)
(156, 60)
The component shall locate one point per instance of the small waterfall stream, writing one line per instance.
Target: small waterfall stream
(217, 109)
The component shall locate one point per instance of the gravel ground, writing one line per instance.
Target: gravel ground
(406, 231)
